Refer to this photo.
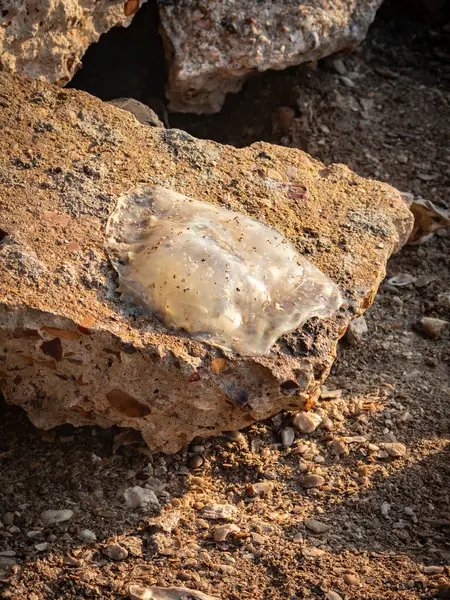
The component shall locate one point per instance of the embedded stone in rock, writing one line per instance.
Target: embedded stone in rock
(73, 350)
(211, 46)
(227, 279)
(143, 113)
(47, 40)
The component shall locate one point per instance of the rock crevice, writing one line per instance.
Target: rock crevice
(47, 40)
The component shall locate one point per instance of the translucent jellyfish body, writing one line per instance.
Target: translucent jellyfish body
(225, 278)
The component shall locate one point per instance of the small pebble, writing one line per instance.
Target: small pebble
(202, 524)
(139, 592)
(433, 570)
(362, 471)
(385, 508)
(347, 81)
(386, 73)
(236, 436)
(32, 534)
(261, 488)
(302, 448)
(432, 327)
(313, 481)
(356, 331)
(351, 579)
(195, 461)
(8, 518)
(7, 562)
(287, 437)
(220, 511)
(51, 517)
(41, 547)
(312, 552)
(339, 66)
(115, 552)
(331, 595)
(327, 424)
(198, 448)
(393, 449)
(327, 394)
(258, 539)
(138, 497)
(339, 447)
(167, 521)
(307, 422)
(221, 533)
(87, 535)
(316, 526)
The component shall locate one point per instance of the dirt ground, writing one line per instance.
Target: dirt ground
(384, 522)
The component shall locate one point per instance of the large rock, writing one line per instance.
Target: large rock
(73, 350)
(48, 39)
(211, 46)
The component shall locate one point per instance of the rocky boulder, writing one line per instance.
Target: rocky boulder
(211, 46)
(73, 350)
(47, 40)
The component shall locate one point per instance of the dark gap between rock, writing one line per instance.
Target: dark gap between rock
(127, 62)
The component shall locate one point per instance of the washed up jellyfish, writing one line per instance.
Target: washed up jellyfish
(223, 277)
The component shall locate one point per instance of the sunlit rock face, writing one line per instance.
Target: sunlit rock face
(225, 278)
(212, 46)
(71, 351)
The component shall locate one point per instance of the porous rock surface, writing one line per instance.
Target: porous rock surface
(73, 350)
(211, 46)
(48, 39)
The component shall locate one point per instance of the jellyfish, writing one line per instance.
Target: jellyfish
(221, 276)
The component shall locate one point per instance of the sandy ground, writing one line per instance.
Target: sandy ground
(381, 524)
